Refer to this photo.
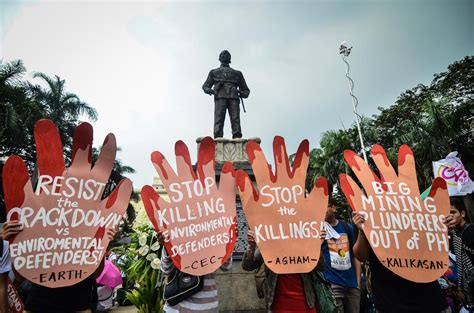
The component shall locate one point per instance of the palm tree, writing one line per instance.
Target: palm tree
(11, 94)
(60, 105)
(17, 116)
(17, 112)
(429, 130)
(63, 108)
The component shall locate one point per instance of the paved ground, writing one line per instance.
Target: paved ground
(124, 309)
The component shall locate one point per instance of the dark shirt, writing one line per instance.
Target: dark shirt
(467, 236)
(69, 299)
(393, 294)
(228, 83)
(466, 233)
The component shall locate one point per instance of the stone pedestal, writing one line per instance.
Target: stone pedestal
(236, 288)
(237, 292)
(232, 150)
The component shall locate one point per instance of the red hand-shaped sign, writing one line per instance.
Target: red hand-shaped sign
(285, 222)
(406, 232)
(64, 217)
(199, 221)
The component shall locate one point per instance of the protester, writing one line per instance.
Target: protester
(205, 301)
(78, 298)
(5, 267)
(283, 292)
(341, 268)
(462, 236)
(391, 293)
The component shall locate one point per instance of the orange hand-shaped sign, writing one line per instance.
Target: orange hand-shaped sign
(64, 217)
(406, 233)
(199, 222)
(285, 222)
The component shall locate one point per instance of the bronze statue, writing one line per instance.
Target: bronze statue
(229, 86)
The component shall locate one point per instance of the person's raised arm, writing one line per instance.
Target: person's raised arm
(251, 260)
(362, 246)
(358, 270)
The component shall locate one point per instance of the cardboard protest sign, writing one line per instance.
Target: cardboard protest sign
(285, 222)
(406, 233)
(14, 302)
(199, 222)
(455, 174)
(64, 216)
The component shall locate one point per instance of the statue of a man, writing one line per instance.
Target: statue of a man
(229, 86)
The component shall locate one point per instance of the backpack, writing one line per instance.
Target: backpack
(104, 298)
(181, 286)
(325, 300)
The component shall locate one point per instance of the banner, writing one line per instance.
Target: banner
(286, 223)
(64, 216)
(406, 233)
(453, 172)
(199, 222)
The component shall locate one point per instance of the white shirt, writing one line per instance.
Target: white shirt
(5, 263)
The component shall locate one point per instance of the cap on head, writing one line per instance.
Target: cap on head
(224, 57)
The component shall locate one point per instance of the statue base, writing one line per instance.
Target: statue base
(232, 150)
(245, 300)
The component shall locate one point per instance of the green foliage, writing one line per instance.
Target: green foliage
(433, 120)
(458, 82)
(62, 107)
(22, 103)
(140, 260)
(328, 161)
(149, 298)
(18, 112)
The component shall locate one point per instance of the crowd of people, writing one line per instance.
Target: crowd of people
(347, 262)
(80, 297)
(346, 247)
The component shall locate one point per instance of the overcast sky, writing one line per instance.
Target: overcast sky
(142, 64)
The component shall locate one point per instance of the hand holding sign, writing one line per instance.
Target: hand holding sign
(406, 233)
(64, 218)
(285, 223)
(198, 224)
